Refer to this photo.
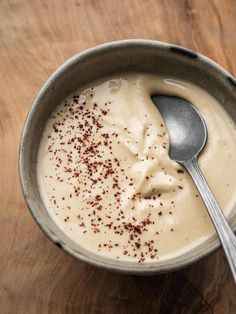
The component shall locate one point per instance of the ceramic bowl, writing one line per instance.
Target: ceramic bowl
(128, 55)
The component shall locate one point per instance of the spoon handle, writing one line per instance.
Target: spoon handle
(225, 233)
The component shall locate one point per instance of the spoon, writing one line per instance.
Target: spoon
(188, 135)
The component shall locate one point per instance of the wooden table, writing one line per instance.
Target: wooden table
(35, 38)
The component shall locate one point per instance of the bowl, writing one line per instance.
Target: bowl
(119, 56)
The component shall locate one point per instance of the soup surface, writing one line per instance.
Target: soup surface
(106, 178)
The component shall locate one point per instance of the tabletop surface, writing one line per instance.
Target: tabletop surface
(35, 38)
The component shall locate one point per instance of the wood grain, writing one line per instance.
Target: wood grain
(35, 38)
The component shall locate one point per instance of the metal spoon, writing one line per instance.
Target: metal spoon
(188, 135)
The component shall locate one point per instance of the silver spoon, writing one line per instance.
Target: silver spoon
(188, 134)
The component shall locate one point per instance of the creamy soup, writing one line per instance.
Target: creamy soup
(106, 178)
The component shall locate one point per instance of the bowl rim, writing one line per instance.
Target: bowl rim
(21, 156)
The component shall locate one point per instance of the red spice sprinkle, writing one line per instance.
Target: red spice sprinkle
(88, 173)
(98, 197)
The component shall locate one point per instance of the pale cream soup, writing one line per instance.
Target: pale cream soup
(106, 178)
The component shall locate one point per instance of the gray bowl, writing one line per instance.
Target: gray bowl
(128, 55)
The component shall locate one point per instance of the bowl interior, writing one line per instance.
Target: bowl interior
(124, 56)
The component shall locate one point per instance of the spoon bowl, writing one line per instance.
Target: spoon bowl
(186, 127)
